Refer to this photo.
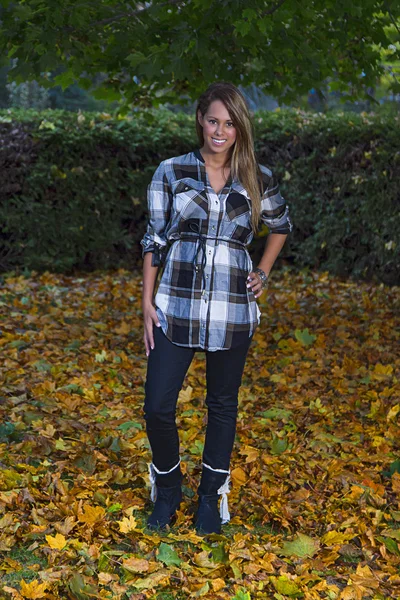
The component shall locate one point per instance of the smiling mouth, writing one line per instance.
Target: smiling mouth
(218, 142)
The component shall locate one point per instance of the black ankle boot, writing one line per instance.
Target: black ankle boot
(167, 495)
(209, 518)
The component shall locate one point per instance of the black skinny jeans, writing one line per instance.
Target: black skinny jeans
(167, 366)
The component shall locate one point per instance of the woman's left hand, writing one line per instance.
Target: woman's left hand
(254, 284)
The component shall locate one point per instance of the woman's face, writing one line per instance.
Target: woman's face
(218, 130)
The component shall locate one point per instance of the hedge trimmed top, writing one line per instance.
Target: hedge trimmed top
(73, 186)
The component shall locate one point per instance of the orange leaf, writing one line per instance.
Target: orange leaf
(218, 584)
(239, 476)
(136, 565)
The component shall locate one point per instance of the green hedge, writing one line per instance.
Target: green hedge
(73, 187)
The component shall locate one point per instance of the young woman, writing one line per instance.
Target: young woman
(204, 208)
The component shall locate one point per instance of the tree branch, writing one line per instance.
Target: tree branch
(131, 14)
(271, 10)
(139, 11)
(392, 18)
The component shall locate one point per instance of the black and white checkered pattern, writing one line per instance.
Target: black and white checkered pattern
(202, 299)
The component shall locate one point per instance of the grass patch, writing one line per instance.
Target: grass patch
(27, 568)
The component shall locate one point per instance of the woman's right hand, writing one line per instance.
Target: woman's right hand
(149, 319)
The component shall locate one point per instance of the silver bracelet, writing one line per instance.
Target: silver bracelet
(262, 276)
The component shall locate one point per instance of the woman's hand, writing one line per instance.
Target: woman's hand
(149, 319)
(254, 284)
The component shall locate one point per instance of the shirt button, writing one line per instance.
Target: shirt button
(209, 252)
(213, 227)
(216, 202)
(207, 276)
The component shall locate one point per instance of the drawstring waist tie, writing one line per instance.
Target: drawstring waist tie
(201, 240)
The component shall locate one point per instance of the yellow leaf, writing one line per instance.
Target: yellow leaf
(66, 526)
(6, 521)
(301, 546)
(251, 568)
(202, 591)
(365, 577)
(57, 542)
(333, 538)
(13, 591)
(356, 492)
(49, 431)
(123, 328)
(92, 514)
(251, 453)
(300, 495)
(218, 584)
(60, 444)
(396, 482)
(236, 568)
(186, 395)
(239, 476)
(135, 565)
(33, 589)
(393, 412)
(105, 578)
(152, 580)
(382, 371)
(284, 585)
(351, 592)
(10, 566)
(52, 575)
(364, 571)
(127, 524)
(101, 356)
(201, 559)
(277, 378)
(375, 408)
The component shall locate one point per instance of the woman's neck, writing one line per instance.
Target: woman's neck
(214, 160)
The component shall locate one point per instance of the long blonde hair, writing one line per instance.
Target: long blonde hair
(242, 159)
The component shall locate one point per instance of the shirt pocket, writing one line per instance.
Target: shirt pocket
(189, 198)
(237, 207)
(238, 216)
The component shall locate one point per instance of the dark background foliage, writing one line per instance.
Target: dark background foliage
(73, 187)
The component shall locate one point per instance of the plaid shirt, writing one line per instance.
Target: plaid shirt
(200, 237)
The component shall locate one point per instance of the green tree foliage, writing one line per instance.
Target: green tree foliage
(164, 50)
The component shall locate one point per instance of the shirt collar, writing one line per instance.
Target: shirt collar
(198, 155)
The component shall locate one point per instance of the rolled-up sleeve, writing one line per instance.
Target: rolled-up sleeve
(274, 210)
(159, 202)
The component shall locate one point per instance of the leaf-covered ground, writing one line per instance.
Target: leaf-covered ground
(315, 502)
